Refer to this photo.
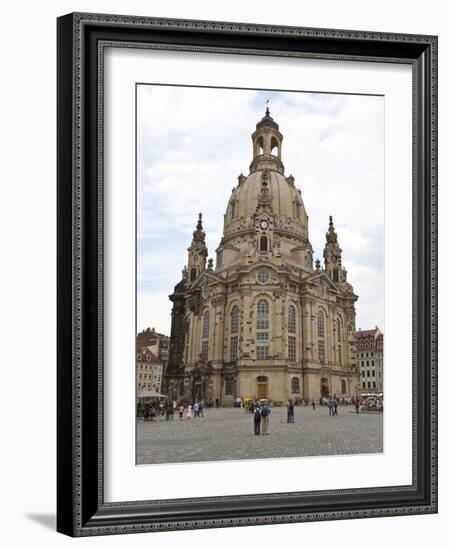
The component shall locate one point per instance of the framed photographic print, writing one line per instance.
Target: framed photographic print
(247, 282)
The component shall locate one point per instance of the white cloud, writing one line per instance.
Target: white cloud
(154, 310)
(194, 142)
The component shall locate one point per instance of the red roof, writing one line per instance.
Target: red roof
(366, 333)
(146, 338)
(369, 340)
(146, 355)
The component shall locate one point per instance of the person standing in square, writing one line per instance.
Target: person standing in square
(257, 419)
(265, 413)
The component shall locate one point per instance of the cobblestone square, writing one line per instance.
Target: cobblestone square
(227, 434)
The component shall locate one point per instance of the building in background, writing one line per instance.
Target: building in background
(267, 322)
(149, 370)
(370, 360)
(154, 346)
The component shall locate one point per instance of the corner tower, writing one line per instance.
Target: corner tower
(197, 252)
(332, 255)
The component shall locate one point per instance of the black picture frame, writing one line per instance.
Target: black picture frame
(81, 510)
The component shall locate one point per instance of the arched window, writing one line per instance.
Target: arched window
(233, 210)
(262, 323)
(235, 319)
(206, 318)
(291, 319)
(343, 386)
(263, 243)
(320, 324)
(291, 349)
(338, 327)
(205, 343)
(192, 274)
(321, 336)
(262, 314)
(295, 385)
(233, 348)
(274, 147)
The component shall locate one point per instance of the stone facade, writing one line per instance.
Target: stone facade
(149, 370)
(266, 322)
(158, 344)
(370, 360)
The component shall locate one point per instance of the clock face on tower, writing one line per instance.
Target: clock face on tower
(264, 224)
(334, 258)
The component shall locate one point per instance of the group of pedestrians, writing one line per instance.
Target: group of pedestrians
(197, 408)
(261, 413)
(149, 410)
(332, 405)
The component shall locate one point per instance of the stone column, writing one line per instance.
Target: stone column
(313, 336)
(306, 318)
(247, 324)
(197, 334)
(329, 336)
(279, 331)
(219, 308)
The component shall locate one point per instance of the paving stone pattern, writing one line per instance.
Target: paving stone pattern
(228, 434)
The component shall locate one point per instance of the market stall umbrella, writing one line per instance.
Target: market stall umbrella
(149, 393)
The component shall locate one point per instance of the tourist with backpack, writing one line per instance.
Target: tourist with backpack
(257, 419)
(265, 413)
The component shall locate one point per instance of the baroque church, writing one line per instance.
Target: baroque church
(267, 322)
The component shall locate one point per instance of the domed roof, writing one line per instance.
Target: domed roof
(267, 121)
(246, 196)
(266, 189)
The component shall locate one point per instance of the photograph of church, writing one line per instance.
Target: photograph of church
(267, 318)
(259, 263)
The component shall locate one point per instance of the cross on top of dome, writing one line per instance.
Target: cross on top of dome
(267, 120)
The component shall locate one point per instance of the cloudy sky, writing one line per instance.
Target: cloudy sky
(192, 143)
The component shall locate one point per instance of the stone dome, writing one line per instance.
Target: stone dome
(266, 207)
(286, 199)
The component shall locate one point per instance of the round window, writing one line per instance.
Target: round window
(263, 276)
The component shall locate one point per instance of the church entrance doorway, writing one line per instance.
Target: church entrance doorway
(262, 392)
(324, 387)
(262, 387)
(198, 391)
